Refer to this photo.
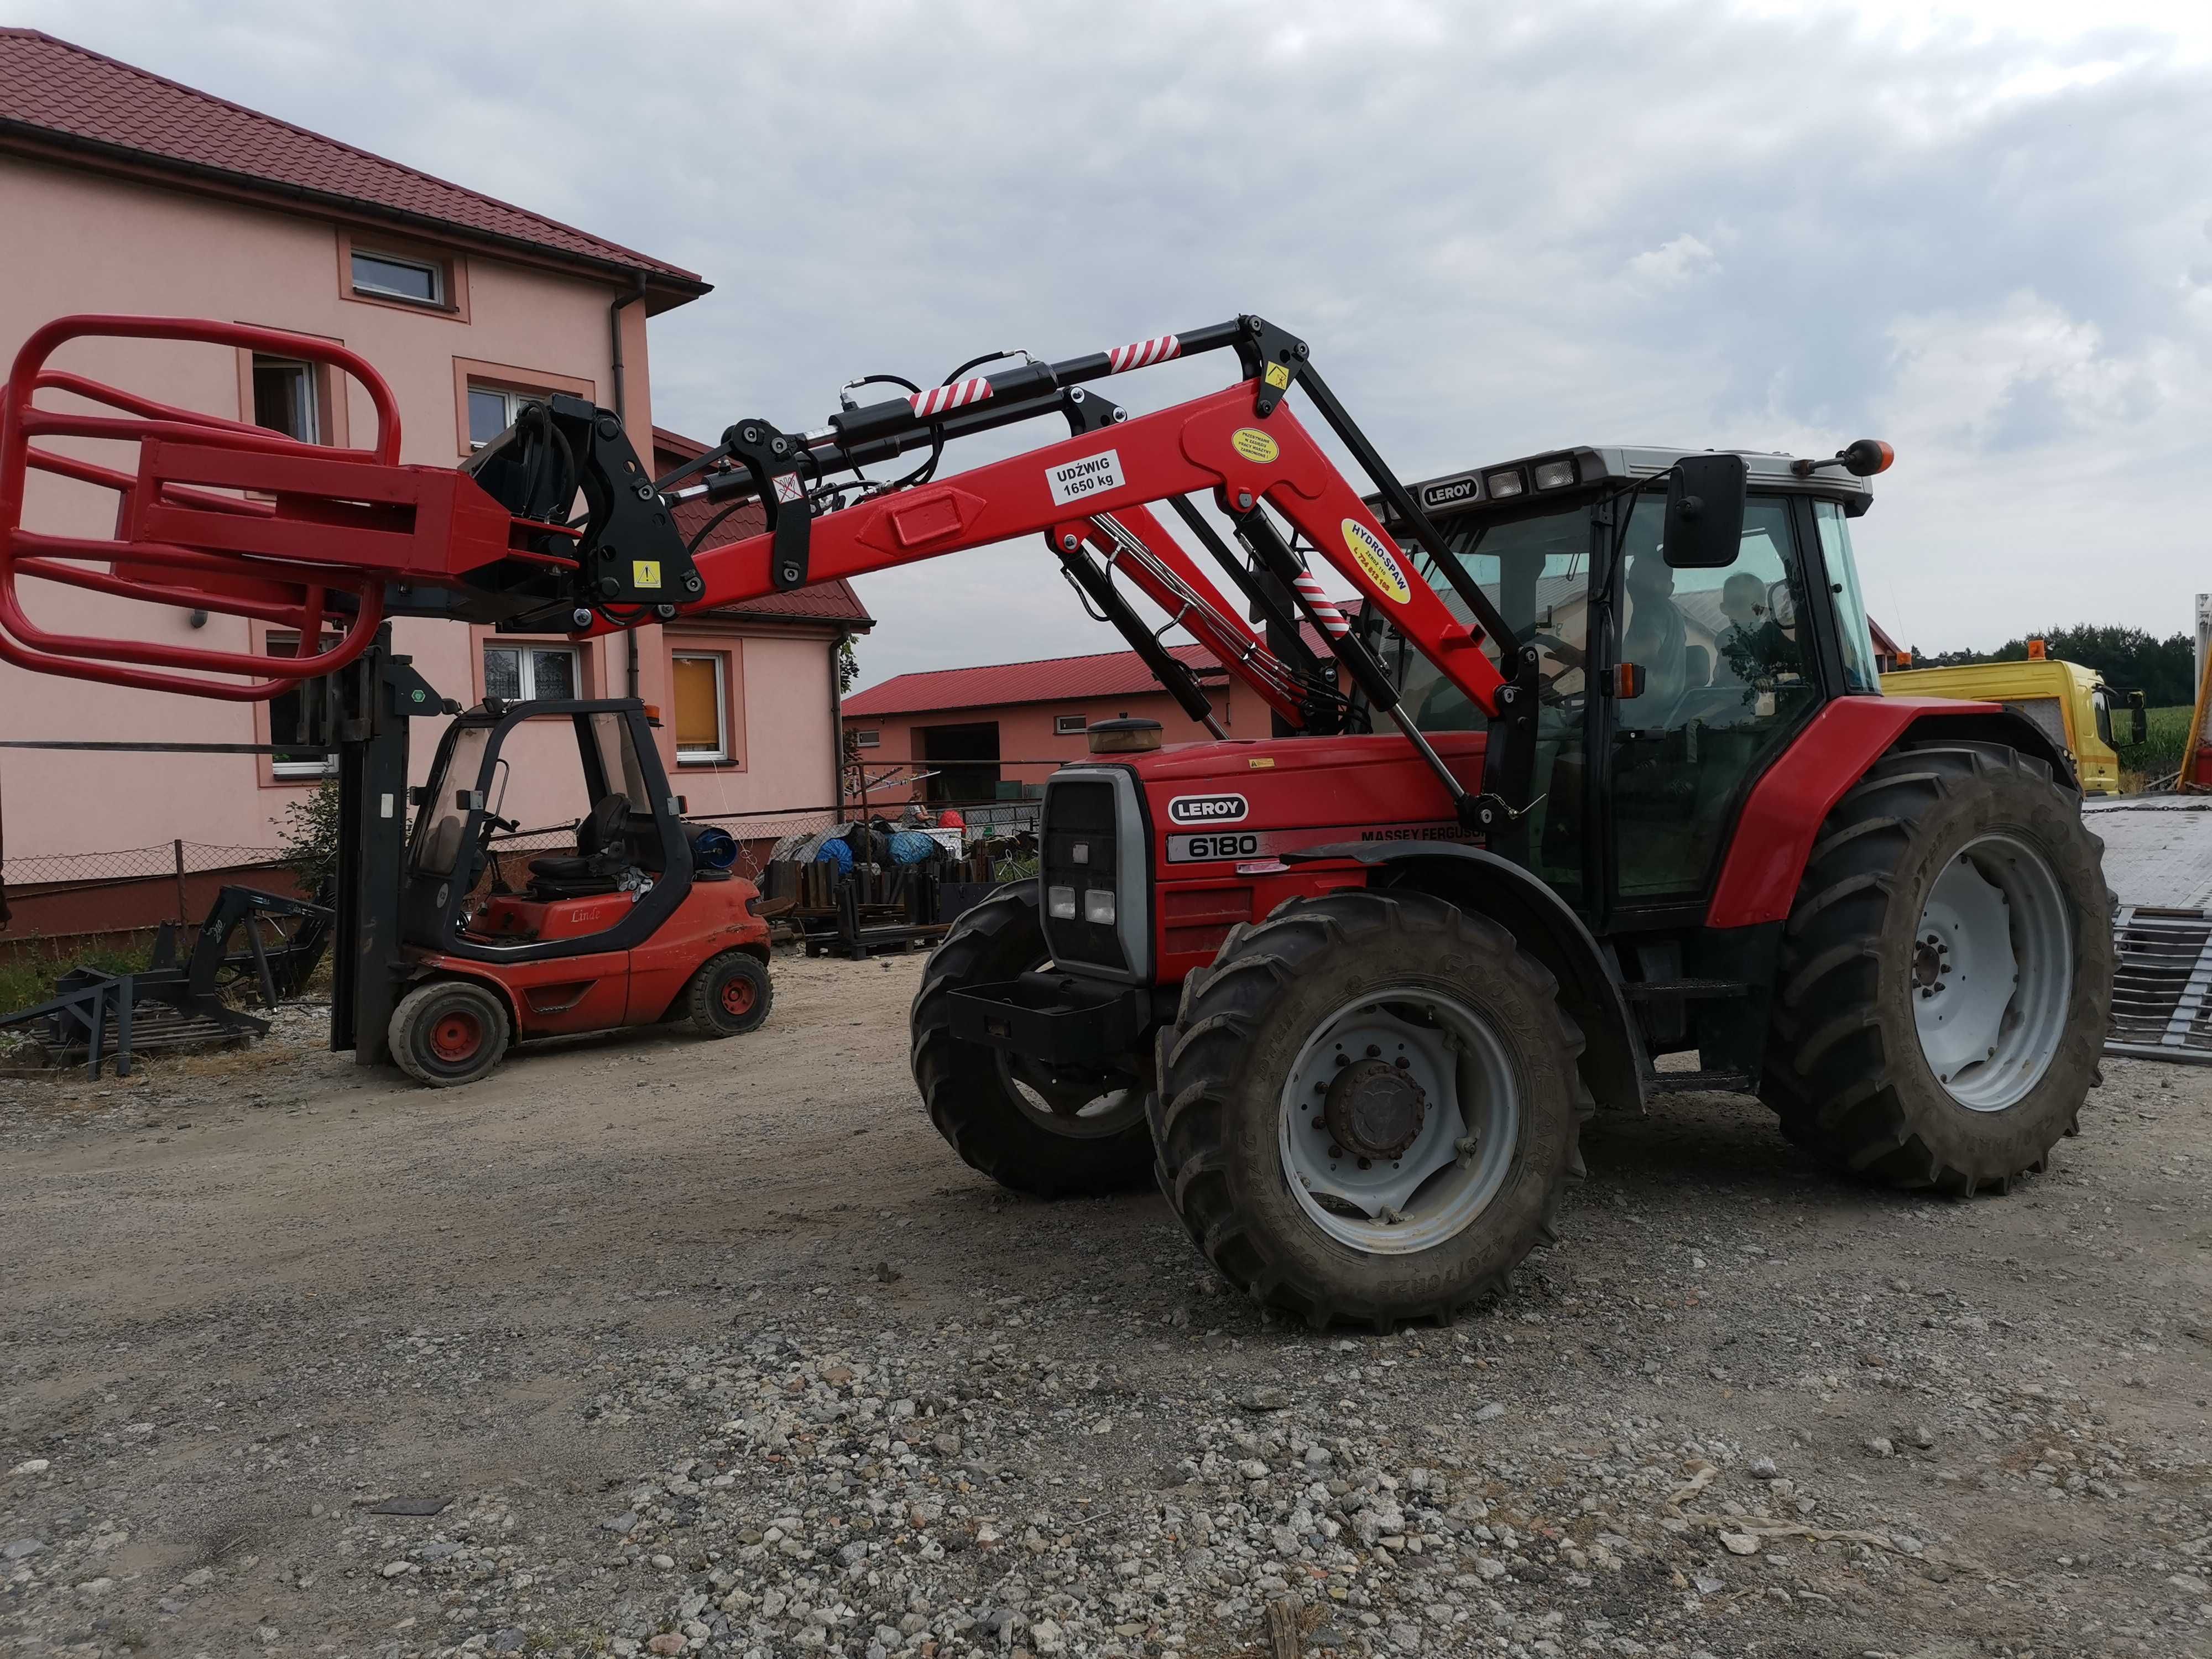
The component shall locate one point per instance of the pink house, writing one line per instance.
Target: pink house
(123, 191)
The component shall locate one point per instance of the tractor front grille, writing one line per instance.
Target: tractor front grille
(2161, 985)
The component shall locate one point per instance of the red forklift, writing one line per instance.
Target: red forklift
(1614, 780)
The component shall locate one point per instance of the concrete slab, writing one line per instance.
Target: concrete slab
(2158, 848)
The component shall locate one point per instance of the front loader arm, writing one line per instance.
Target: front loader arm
(1212, 445)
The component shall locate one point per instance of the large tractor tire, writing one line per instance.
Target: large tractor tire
(1046, 1132)
(1946, 972)
(1369, 1107)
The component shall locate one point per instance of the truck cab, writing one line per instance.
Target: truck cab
(2067, 702)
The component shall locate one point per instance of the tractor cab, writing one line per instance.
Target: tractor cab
(1665, 686)
(604, 860)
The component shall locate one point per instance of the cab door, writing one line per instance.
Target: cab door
(1726, 665)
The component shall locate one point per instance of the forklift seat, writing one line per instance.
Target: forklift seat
(601, 855)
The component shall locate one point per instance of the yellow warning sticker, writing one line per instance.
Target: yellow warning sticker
(645, 572)
(1279, 376)
(1380, 564)
(1261, 762)
(1254, 445)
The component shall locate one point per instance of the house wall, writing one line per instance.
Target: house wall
(107, 244)
(1026, 736)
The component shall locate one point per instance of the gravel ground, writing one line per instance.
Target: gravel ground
(715, 1347)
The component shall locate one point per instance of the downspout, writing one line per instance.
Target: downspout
(837, 721)
(615, 333)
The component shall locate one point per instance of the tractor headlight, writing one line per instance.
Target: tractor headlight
(1060, 903)
(1503, 485)
(1555, 475)
(1098, 906)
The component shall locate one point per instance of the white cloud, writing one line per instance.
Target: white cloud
(1676, 263)
(1979, 230)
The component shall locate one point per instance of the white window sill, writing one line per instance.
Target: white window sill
(702, 759)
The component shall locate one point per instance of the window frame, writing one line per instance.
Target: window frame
(1060, 728)
(452, 269)
(511, 379)
(719, 661)
(867, 736)
(434, 269)
(314, 380)
(282, 771)
(527, 651)
(511, 401)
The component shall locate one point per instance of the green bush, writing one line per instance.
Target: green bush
(2159, 754)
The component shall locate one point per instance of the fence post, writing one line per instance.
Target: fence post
(176, 847)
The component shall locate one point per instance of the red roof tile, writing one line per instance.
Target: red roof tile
(1055, 679)
(52, 91)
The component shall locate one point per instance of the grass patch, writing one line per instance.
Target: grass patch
(2159, 754)
(26, 978)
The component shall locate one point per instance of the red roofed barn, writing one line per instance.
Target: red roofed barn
(992, 734)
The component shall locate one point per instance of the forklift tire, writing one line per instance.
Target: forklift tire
(1038, 1134)
(730, 995)
(448, 1032)
(1959, 871)
(1369, 989)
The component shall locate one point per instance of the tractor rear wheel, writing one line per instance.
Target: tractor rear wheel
(730, 994)
(1946, 972)
(1048, 1132)
(1369, 1107)
(447, 1032)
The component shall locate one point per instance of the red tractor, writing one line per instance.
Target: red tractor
(1602, 774)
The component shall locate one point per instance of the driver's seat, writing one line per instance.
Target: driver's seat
(602, 854)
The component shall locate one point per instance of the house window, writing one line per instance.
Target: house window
(521, 672)
(286, 710)
(703, 707)
(492, 410)
(867, 739)
(389, 277)
(287, 398)
(1068, 725)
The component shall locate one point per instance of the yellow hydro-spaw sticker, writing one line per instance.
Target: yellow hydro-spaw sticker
(1380, 564)
(1261, 764)
(1254, 445)
(645, 572)
(1279, 376)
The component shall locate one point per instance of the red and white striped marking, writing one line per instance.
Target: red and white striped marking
(1144, 354)
(939, 399)
(1330, 618)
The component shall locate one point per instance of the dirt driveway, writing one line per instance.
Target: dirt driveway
(715, 1347)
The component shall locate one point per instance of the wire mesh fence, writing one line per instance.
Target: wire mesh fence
(170, 858)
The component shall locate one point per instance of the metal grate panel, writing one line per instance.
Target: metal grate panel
(2161, 985)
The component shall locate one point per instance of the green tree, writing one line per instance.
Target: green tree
(2126, 659)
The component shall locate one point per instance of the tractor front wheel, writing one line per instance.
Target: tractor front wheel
(1946, 972)
(448, 1032)
(1047, 1131)
(1369, 1107)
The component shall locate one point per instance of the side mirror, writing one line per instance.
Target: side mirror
(1782, 605)
(2139, 719)
(1705, 513)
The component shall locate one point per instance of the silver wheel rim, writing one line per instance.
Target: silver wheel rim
(1460, 1151)
(1071, 1103)
(1992, 972)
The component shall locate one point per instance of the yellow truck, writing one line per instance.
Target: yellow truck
(2065, 699)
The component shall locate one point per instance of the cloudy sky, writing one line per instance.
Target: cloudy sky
(1983, 232)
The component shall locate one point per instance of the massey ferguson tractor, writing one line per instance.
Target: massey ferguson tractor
(1601, 773)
